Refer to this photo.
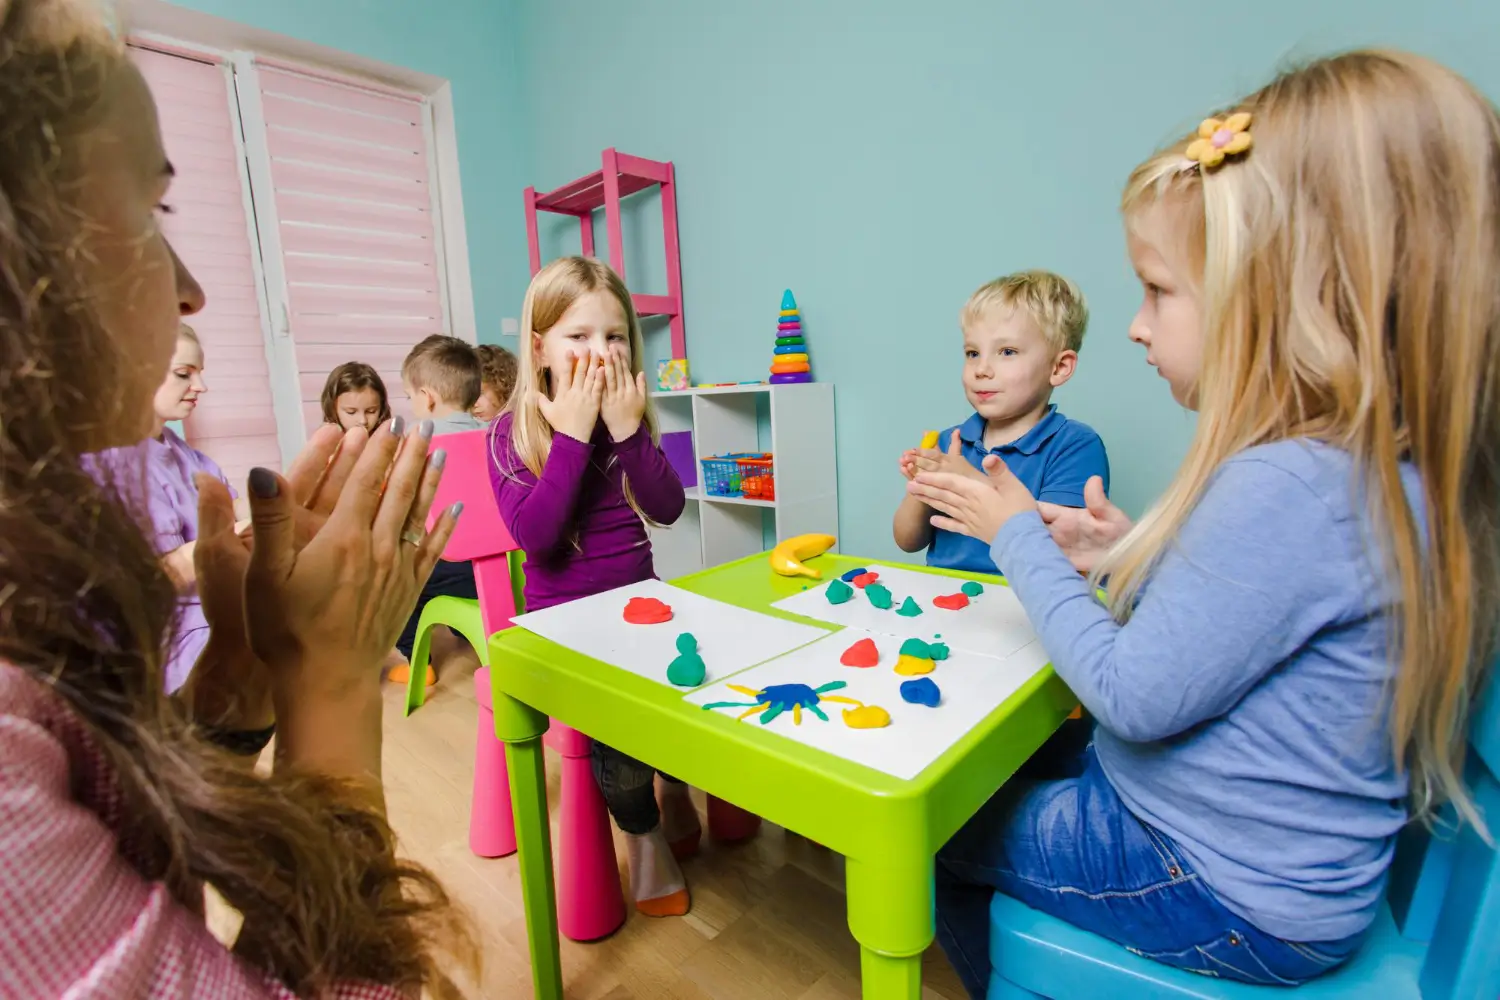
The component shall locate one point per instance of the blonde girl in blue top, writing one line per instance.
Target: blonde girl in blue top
(1295, 631)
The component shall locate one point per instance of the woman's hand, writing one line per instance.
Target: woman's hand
(574, 407)
(624, 403)
(323, 617)
(974, 507)
(228, 687)
(1086, 534)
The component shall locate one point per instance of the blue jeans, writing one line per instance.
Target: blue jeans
(1071, 849)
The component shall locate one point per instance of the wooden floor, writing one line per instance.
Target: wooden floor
(767, 922)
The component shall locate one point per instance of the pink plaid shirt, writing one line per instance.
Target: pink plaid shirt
(77, 919)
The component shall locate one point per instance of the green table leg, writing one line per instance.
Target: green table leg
(521, 729)
(890, 914)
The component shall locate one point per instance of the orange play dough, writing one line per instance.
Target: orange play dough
(647, 611)
(862, 654)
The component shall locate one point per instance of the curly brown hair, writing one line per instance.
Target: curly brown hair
(497, 368)
(309, 863)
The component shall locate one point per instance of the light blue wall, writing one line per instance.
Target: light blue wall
(472, 44)
(883, 158)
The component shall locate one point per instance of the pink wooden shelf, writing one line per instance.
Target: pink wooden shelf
(620, 175)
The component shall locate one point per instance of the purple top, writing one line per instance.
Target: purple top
(171, 509)
(579, 535)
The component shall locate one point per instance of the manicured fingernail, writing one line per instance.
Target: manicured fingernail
(425, 429)
(263, 484)
(438, 458)
(456, 509)
(398, 426)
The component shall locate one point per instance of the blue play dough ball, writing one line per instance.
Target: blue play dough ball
(849, 576)
(921, 691)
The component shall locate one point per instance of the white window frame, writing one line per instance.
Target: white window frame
(168, 28)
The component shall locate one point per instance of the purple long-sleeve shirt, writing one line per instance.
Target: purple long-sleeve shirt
(170, 508)
(579, 534)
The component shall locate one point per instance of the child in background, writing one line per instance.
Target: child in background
(441, 378)
(354, 396)
(171, 498)
(1022, 334)
(497, 368)
(1295, 631)
(578, 473)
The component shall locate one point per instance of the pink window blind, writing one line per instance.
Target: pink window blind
(234, 422)
(359, 247)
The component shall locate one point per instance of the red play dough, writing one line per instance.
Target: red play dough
(647, 611)
(862, 654)
(865, 579)
(951, 602)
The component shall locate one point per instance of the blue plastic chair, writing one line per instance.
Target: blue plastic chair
(1437, 936)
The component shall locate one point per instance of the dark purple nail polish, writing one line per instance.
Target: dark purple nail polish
(263, 484)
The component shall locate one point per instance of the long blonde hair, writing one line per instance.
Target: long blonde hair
(551, 293)
(306, 859)
(1350, 284)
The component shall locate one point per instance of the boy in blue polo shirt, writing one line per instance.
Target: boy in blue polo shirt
(1021, 333)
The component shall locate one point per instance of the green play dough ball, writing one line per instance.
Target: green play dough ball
(939, 650)
(972, 588)
(838, 592)
(687, 643)
(687, 670)
(917, 648)
(878, 595)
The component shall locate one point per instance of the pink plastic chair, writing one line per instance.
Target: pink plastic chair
(590, 903)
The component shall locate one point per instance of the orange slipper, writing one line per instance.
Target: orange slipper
(401, 673)
(673, 904)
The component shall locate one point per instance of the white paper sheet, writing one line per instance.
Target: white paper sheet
(729, 638)
(971, 685)
(994, 623)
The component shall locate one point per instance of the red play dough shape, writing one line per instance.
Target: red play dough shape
(865, 579)
(862, 654)
(951, 602)
(647, 611)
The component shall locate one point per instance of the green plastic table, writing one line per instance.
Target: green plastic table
(887, 828)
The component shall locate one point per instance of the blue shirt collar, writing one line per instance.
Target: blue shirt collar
(971, 432)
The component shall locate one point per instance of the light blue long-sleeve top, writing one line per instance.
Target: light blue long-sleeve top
(1243, 709)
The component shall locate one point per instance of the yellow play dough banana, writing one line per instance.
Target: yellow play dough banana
(930, 439)
(787, 557)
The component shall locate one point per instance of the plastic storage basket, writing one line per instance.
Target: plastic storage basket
(758, 478)
(724, 475)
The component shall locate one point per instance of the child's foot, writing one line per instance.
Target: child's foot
(656, 882)
(729, 824)
(679, 818)
(401, 673)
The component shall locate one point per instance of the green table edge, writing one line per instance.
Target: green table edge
(852, 809)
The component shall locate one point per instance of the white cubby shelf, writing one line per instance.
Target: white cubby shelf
(729, 419)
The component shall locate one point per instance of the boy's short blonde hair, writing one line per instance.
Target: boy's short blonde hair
(1054, 303)
(447, 367)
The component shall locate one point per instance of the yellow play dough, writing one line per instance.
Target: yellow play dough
(867, 717)
(911, 666)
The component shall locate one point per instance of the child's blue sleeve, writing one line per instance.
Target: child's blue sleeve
(1076, 459)
(1254, 574)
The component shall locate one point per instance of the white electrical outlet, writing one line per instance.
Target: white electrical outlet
(510, 326)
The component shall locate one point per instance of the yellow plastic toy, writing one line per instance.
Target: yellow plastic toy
(930, 439)
(786, 558)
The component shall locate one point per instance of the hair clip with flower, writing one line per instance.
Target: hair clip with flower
(1218, 138)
